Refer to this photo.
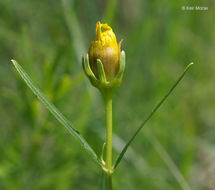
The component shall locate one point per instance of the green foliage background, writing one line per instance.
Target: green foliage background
(48, 38)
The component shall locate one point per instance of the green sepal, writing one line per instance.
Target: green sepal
(89, 73)
(101, 81)
(122, 66)
(101, 72)
(86, 67)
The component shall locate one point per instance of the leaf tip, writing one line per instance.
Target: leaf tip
(13, 61)
(189, 65)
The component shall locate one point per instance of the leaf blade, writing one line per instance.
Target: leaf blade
(120, 156)
(55, 112)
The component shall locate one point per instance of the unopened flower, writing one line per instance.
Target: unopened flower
(105, 63)
(105, 48)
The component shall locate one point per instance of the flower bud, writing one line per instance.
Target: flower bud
(105, 64)
(106, 49)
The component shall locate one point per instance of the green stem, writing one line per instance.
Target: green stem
(108, 181)
(108, 111)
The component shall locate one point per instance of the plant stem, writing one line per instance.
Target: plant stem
(108, 181)
(108, 111)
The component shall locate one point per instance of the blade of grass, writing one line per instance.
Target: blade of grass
(77, 38)
(120, 156)
(110, 11)
(168, 161)
(56, 113)
(74, 29)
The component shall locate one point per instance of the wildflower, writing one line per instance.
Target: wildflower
(105, 48)
(104, 66)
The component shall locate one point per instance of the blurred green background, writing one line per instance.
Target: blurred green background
(176, 148)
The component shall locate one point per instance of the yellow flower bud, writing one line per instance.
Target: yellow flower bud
(106, 49)
(105, 64)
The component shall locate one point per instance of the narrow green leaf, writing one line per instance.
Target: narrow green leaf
(73, 24)
(120, 156)
(56, 113)
(168, 161)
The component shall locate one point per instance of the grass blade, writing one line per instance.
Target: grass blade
(168, 161)
(110, 11)
(120, 156)
(75, 31)
(56, 113)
